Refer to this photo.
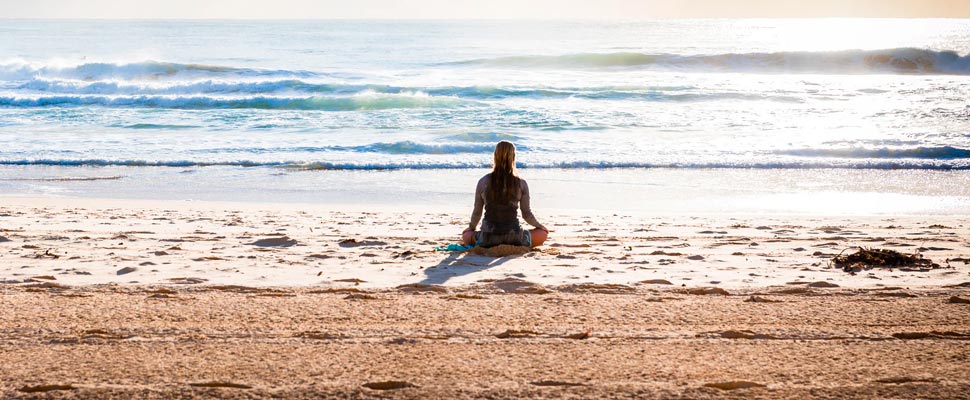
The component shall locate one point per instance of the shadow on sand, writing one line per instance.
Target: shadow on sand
(460, 264)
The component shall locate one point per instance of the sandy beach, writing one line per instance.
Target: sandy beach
(248, 199)
(122, 299)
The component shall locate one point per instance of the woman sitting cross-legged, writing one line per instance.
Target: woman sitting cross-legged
(501, 193)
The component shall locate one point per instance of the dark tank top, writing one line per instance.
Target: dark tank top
(503, 218)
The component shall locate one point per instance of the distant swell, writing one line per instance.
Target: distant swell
(114, 87)
(351, 103)
(142, 70)
(888, 61)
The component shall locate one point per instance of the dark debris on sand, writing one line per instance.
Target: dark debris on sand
(867, 258)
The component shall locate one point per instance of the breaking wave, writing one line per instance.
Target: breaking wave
(294, 86)
(362, 102)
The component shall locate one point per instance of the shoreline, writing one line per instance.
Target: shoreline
(639, 191)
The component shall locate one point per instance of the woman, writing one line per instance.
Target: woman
(500, 193)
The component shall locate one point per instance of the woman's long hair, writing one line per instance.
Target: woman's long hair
(504, 184)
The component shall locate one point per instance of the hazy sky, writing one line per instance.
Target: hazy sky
(538, 9)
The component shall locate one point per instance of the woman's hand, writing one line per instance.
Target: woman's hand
(469, 229)
(543, 227)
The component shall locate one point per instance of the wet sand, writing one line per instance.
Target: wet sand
(494, 340)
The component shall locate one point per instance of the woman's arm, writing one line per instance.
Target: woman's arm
(526, 207)
(479, 205)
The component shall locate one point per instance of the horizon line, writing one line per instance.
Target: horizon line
(459, 18)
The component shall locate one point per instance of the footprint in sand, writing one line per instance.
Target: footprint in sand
(45, 388)
(282, 241)
(708, 291)
(822, 284)
(127, 270)
(357, 243)
(519, 286)
(361, 296)
(931, 335)
(221, 385)
(607, 288)
(187, 280)
(421, 288)
(388, 385)
(514, 334)
(655, 282)
(906, 379)
(732, 385)
(554, 383)
(758, 299)
(743, 334)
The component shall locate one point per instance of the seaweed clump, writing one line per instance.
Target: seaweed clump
(867, 258)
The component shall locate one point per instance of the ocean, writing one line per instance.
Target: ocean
(662, 112)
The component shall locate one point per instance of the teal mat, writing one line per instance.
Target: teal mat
(455, 248)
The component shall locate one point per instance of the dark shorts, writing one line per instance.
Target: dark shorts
(518, 237)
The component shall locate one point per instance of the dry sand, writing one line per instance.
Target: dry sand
(114, 299)
(83, 242)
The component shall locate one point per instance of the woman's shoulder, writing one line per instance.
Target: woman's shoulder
(483, 182)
